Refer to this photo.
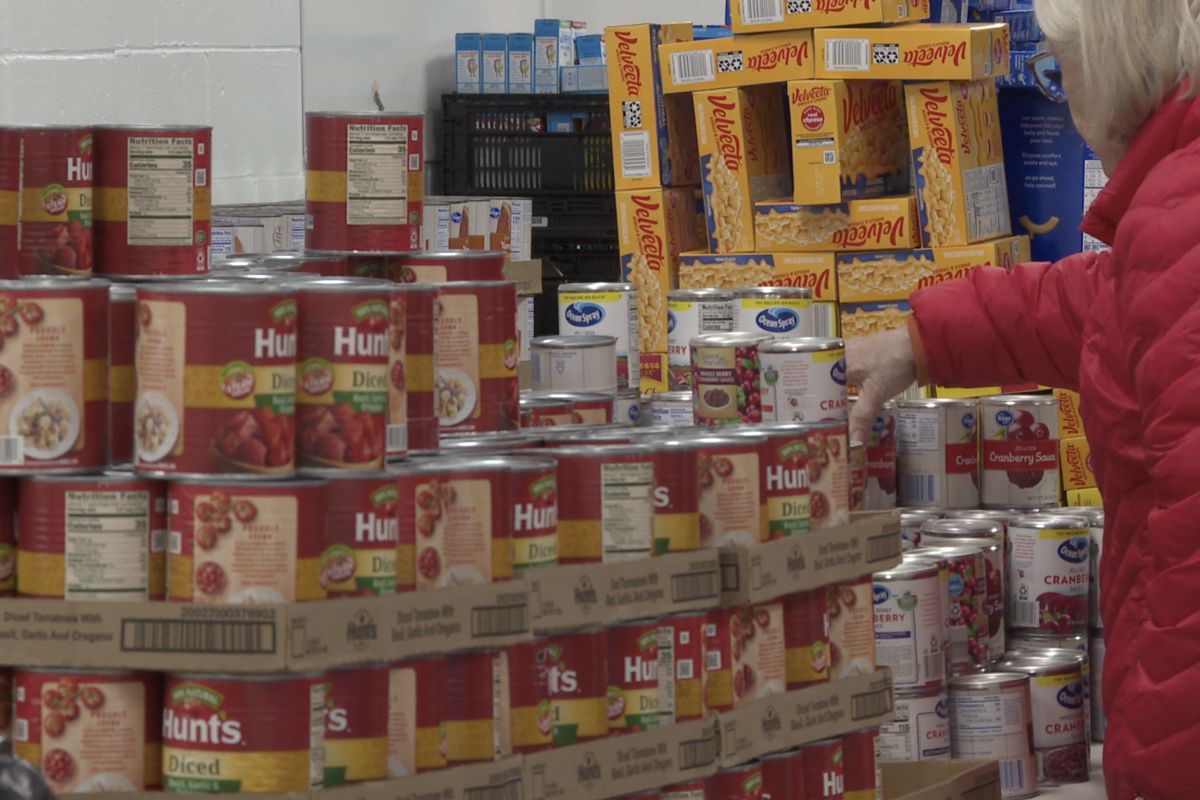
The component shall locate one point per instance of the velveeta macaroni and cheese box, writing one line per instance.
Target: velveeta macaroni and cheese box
(655, 373)
(958, 158)
(654, 226)
(864, 319)
(1084, 498)
(848, 140)
(918, 52)
(1070, 420)
(756, 16)
(695, 66)
(743, 159)
(1006, 252)
(883, 223)
(1075, 463)
(654, 137)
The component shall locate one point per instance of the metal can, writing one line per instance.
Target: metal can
(829, 474)
(6, 703)
(682, 672)
(152, 212)
(851, 628)
(246, 542)
(1050, 644)
(542, 412)
(608, 309)
(993, 559)
(937, 452)
(1020, 451)
(608, 515)
(779, 772)
(8, 539)
(823, 775)
(534, 493)
(627, 407)
(746, 654)
(447, 266)
(475, 386)
(10, 198)
(237, 733)
(969, 631)
(881, 460)
(692, 313)
(732, 489)
(54, 223)
(1048, 573)
(588, 408)
(87, 538)
(920, 729)
(362, 531)
(691, 790)
(991, 718)
(342, 373)
(788, 507)
(726, 378)
(122, 382)
(94, 731)
(216, 375)
(578, 681)
(861, 764)
(365, 263)
(416, 735)
(460, 515)
(804, 380)
(325, 265)
(858, 476)
(356, 725)
(476, 708)
(806, 638)
(412, 414)
(53, 375)
(911, 521)
(673, 409)
(488, 444)
(529, 697)
(909, 624)
(676, 495)
(1060, 734)
(633, 684)
(781, 312)
(365, 174)
(1096, 652)
(744, 782)
(584, 363)
(1095, 518)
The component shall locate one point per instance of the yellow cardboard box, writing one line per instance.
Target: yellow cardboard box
(1075, 463)
(883, 223)
(1085, 497)
(848, 140)
(1070, 421)
(958, 158)
(653, 137)
(742, 159)
(864, 319)
(655, 373)
(756, 16)
(653, 227)
(914, 52)
(696, 66)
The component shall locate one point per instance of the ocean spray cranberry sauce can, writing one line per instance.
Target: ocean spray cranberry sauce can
(804, 380)
(608, 309)
(920, 729)
(1048, 574)
(1020, 451)
(1060, 734)
(969, 632)
(908, 624)
(991, 718)
(937, 450)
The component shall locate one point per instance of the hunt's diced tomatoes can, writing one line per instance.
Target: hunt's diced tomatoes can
(356, 725)
(534, 483)
(731, 490)
(412, 420)
(476, 710)
(360, 548)
(216, 379)
(822, 770)
(229, 733)
(676, 495)
(252, 542)
(90, 538)
(746, 657)
(448, 266)
(8, 537)
(691, 790)
(684, 683)
(779, 775)
(416, 735)
(529, 697)
(608, 514)
(578, 681)
(851, 628)
(54, 228)
(91, 731)
(829, 474)
(342, 373)
(10, 193)
(475, 381)
(743, 782)
(789, 498)
(122, 382)
(633, 687)
(806, 637)
(53, 375)
(153, 204)
(365, 180)
(861, 766)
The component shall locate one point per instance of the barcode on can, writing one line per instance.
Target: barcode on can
(197, 636)
(635, 154)
(870, 704)
(397, 438)
(499, 620)
(22, 730)
(698, 67)
(852, 55)
(712, 660)
(1012, 776)
(760, 12)
(695, 586)
(920, 490)
(1025, 614)
(12, 451)
(698, 753)
(201, 177)
(512, 790)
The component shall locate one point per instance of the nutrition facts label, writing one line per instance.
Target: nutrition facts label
(627, 510)
(160, 191)
(919, 432)
(107, 545)
(376, 174)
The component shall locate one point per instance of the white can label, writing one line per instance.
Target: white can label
(804, 387)
(908, 630)
(1048, 576)
(1020, 456)
(920, 730)
(776, 316)
(687, 320)
(1060, 728)
(605, 314)
(1097, 538)
(993, 725)
(938, 458)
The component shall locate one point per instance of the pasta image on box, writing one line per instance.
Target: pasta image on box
(923, 51)
(893, 276)
(958, 158)
(848, 140)
(757, 16)
(864, 319)
(742, 160)
(1075, 463)
(695, 66)
(885, 223)
(653, 227)
(653, 136)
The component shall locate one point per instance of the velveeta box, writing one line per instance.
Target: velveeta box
(757, 16)
(864, 319)
(958, 159)
(695, 66)
(1085, 497)
(655, 375)
(896, 275)
(1006, 252)
(884, 223)
(653, 227)
(654, 137)
(918, 52)
(848, 140)
(1075, 463)
(742, 160)
(1070, 421)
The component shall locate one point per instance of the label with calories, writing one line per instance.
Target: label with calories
(376, 174)
(106, 554)
(627, 510)
(160, 210)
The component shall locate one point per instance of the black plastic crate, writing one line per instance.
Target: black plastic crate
(498, 144)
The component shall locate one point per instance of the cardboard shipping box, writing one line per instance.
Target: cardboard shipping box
(883, 223)
(696, 66)
(913, 52)
(942, 780)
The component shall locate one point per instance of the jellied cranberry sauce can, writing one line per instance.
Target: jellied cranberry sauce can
(938, 456)
(1020, 451)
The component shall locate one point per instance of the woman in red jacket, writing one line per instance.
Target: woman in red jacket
(1122, 327)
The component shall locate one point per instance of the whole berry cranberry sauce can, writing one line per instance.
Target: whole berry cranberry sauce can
(991, 541)
(412, 420)
(356, 722)
(216, 379)
(726, 378)
(1020, 451)
(153, 204)
(991, 719)
(1048, 574)
(937, 450)
(969, 633)
(364, 182)
(1060, 732)
(475, 383)
(54, 228)
(122, 382)
(362, 532)
(416, 697)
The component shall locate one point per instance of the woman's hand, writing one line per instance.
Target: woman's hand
(882, 366)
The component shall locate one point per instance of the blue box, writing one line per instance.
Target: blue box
(1019, 75)
(554, 47)
(589, 50)
(703, 33)
(1022, 25)
(1053, 176)
(587, 79)
(948, 11)
(495, 63)
(520, 63)
(993, 5)
(468, 58)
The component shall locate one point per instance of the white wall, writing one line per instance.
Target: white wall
(599, 13)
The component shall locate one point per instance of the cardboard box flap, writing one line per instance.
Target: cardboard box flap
(942, 780)
(527, 274)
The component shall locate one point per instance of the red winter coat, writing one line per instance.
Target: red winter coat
(1123, 327)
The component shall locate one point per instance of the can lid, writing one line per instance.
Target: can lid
(804, 344)
(377, 115)
(108, 476)
(1095, 514)
(575, 397)
(219, 286)
(589, 288)
(971, 528)
(731, 339)
(786, 292)
(293, 257)
(465, 286)
(920, 691)
(906, 570)
(53, 283)
(483, 442)
(671, 398)
(601, 450)
(227, 480)
(142, 128)
(1050, 651)
(935, 402)
(910, 515)
(122, 292)
(989, 680)
(984, 513)
(1048, 662)
(388, 254)
(1004, 400)
(587, 341)
(714, 295)
(326, 473)
(940, 543)
(326, 285)
(1050, 522)
(454, 255)
(542, 401)
(953, 551)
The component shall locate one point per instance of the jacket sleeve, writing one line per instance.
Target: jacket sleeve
(996, 327)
